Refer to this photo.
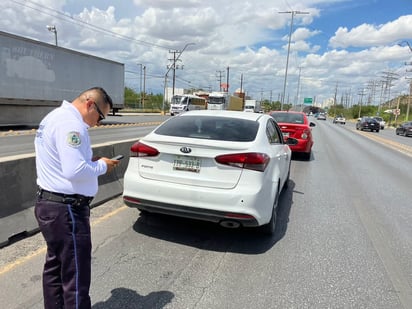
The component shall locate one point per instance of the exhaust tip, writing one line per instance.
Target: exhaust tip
(230, 224)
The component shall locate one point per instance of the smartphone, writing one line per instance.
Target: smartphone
(118, 157)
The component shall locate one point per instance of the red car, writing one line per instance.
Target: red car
(296, 125)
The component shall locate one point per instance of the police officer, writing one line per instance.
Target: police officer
(67, 182)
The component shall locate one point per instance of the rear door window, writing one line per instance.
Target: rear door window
(205, 127)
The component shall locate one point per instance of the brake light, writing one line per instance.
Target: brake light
(139, 149)
(252, 160)
(305, 134)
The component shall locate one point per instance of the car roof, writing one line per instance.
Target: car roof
(294, 112)
(224, 113)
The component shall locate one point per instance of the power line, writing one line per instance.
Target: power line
(79, 22)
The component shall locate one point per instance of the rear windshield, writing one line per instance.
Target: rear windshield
(288, 117)
(209, 127)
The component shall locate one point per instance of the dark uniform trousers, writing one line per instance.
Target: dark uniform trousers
(67, 273)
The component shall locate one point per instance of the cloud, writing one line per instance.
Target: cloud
(249, 37)
(367, 35)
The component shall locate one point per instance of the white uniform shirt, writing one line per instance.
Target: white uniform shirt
(64, 154)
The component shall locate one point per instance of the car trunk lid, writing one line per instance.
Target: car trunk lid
(191, 161)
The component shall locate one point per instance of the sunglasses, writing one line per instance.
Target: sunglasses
(101, 115)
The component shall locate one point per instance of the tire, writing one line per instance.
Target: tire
(286, 184)
(270, 227)
(306, 155)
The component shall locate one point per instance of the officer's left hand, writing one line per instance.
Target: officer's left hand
(110, 164)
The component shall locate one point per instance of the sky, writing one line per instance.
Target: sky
(350, 50)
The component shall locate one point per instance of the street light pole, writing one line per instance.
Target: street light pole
(298, 89)
(293, 13)
(410, 88)
(167, 72)
(54, 30)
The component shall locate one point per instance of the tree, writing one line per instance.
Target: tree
(131, 98)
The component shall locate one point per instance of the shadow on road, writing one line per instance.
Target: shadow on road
(211, 236)
(123, 298)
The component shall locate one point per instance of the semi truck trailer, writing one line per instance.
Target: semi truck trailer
(35, 77)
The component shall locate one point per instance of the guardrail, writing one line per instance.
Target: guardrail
(18, 189)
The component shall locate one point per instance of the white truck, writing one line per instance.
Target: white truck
(224, 101)
(35, 77)
(186, 102)
(251, 106)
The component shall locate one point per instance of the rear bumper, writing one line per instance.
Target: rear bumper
(190, 212)
(302, 146)
(370, 128)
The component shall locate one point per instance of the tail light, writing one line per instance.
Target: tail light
(305, 134)
(139, 149)
(252, 160)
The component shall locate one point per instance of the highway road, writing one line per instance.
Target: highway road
(343, 240)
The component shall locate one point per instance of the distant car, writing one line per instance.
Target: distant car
(381, 122)
(339, 119)
(321, 117)
(296, 125)
(367, 123)
(404, 129)
(226, 167)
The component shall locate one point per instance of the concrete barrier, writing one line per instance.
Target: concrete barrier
(18, 189)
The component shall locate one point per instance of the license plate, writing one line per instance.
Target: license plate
(286, 134)
(186, 163)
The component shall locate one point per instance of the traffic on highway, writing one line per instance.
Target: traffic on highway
(342, 238)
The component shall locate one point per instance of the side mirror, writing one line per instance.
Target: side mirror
(312, 124)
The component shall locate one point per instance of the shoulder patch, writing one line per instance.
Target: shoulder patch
(73, 139)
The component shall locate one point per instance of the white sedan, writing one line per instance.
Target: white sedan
(222, 166)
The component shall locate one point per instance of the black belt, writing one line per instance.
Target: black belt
(72, 199)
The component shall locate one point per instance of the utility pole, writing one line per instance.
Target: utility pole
(220, 80)
(227, 79)
(174, 67)
(389, 77)
(141, 79)
(410, 91)
(293, 13)
(334, 98)
(144, 85)
(167, 72)
(243, 95)
(409, 101)
(361, 93)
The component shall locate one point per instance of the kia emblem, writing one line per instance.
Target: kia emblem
(185, 150)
